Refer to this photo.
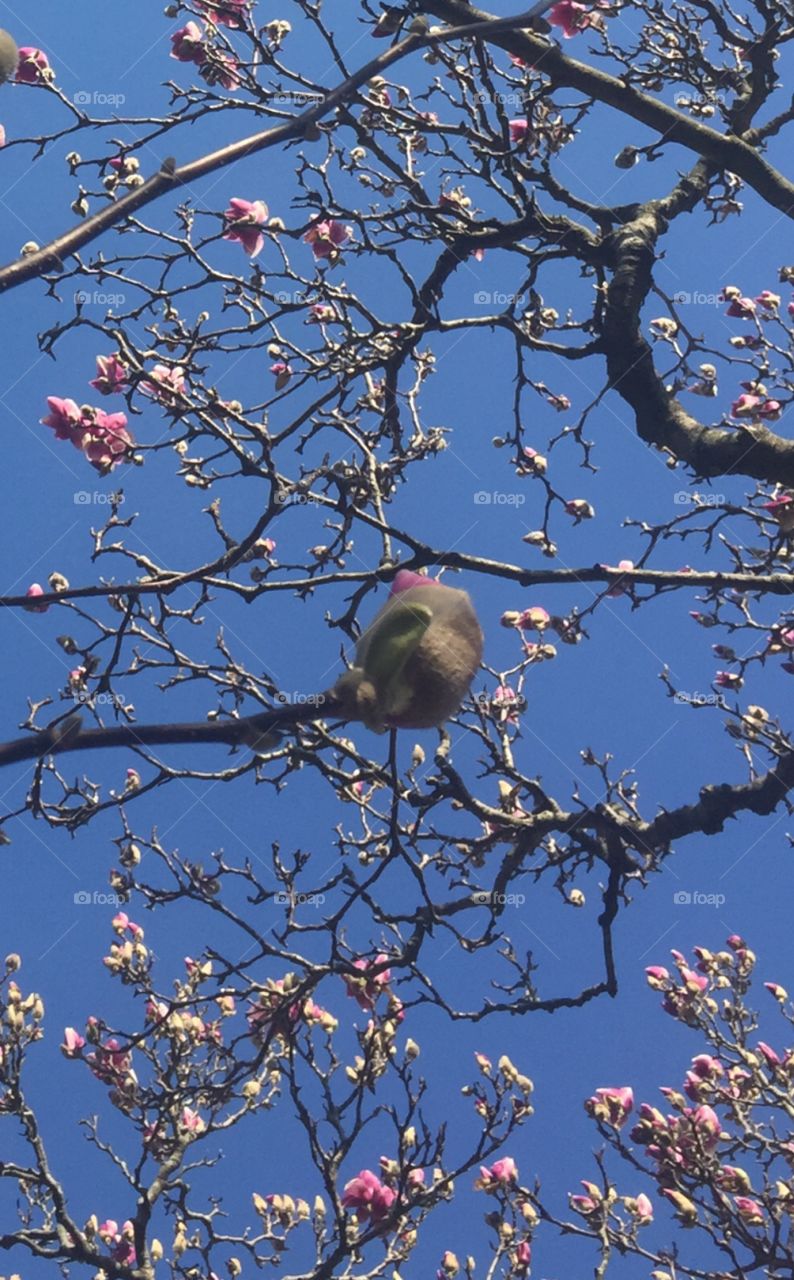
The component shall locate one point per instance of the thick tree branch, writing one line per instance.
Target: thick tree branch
(724, 152)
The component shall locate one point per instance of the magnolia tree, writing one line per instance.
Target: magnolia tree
(248, 297)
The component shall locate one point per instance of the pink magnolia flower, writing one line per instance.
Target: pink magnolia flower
(617, 590)
(321, 313)
(34, 590)
(535, 618)
(282, 373)
(73, 1042)
(188, 44)
(327, 237)
(225, 13)
(366, 989)
(641, 1208)
(781, 509)
(734, 1179)
(244, 219)
(191, 1121)
(707, 1124)
(106, 441)
(611, 1106)
(558, 401)
(33, 66)
(165, 383)
(370, 1198)
(110, 1063)
(774, 988)
(750, 1211)
(501, 1174)
(112, 375)
(103, 437)
(64, 417)
(122, 924)
(523, 1255)
(770, 1055)
(685, 1208)
(753, 406)
(768, 300)
(694, 982)
(728, 680)
(519, 130)
(656, 975)
(569, 15)
(579, 509)
(589, 1203)
(222, 69)
(742, 308)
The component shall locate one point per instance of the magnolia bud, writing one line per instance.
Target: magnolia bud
(9, 56)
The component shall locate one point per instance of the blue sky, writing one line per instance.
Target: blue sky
(604, 694)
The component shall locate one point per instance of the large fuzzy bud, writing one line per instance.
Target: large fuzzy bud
(417, 658)
(9, 56)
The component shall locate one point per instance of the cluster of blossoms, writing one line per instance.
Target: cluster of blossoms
(280, 1009)
(118, 1240)
(684, 1146)
(371, 1196)
(102, 437)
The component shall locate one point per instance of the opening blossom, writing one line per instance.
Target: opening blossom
(33, 66)
(519, 130)
(187, 44)
(34, 590)
(501, 1174)
(572, 17)
(611, 1106)
(165, 383)
(73, 1042)
(282, 372)
(244, 219)
(368, 1196)
(326, 238)
(753, 406)
(225, 13)
(112, 375)
(366, 989)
